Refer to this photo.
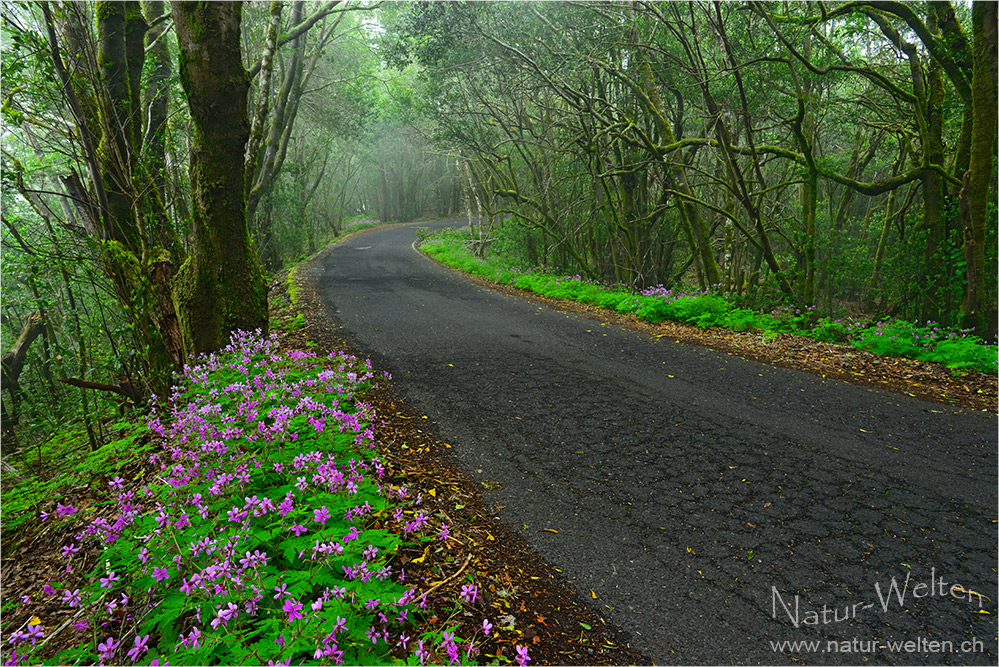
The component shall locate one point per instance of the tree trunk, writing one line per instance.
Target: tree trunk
(979, 310)
(10, 372)
(263, 97)
(221, 287)
(116, 30)
(157, 96)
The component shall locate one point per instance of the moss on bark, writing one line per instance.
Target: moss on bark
(221, 287)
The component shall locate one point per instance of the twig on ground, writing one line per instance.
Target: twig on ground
(452, 577)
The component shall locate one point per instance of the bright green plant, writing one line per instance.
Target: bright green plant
(257, 544)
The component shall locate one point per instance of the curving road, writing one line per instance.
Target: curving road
(694, 492)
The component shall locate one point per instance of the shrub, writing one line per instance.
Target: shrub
(704, 310)
(834, 331)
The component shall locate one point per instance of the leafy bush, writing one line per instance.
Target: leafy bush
(834, 331)
(969, 353)
(743, 319)
(956, 350)
(704, 310)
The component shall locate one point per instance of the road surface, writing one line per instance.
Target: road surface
(714, 506)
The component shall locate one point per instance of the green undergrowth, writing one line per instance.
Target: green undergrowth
(888, 337)
(268, 534)
(64, 462)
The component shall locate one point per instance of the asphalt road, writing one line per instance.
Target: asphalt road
(714, 506)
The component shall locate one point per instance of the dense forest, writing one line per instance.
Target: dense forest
(161, 160)
(181, 483)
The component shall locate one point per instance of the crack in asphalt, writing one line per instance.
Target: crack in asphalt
(694, 492)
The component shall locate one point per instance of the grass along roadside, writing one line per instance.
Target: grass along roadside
(835, 361)
(930, 342)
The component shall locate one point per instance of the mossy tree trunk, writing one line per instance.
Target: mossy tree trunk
(156, 103)
(221, 287)
(108, 118)
(979, 309)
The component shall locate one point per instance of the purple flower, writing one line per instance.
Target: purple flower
(469, 592)
(109, 581)
(160, 573)
(138, 649)
(225, 615)
(72, 598)
(70, 549)
(522, 657)
(293, 608)
(321, 515)
(486, 626)
(193, 639)
(35, 633)
(107, 648)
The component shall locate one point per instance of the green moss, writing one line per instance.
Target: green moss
(212, 302)
(105, 10)
(124, 260)
(292, 285)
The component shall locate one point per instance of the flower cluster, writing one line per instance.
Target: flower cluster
(258, 543)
